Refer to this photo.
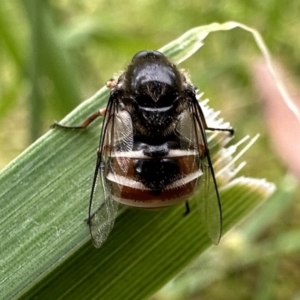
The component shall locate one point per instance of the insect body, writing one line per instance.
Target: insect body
(153, 151)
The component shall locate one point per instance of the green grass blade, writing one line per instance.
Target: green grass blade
(144, 251)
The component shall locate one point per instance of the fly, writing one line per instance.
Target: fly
(153, 151)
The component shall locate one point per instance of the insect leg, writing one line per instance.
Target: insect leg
(85, 124)
(203, 121)
(230, 130)
(187, 208)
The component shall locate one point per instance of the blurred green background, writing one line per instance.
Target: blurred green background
(55, 54)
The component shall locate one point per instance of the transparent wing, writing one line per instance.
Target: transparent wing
(192, 130)
(209, 200)
(116, 136)
(208, 196)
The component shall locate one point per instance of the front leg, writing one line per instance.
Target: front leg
(85, 123)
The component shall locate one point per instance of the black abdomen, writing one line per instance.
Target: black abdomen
(157, 173)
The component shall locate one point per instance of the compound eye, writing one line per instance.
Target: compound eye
(139, 55)
(157, 53)
(147, 54)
